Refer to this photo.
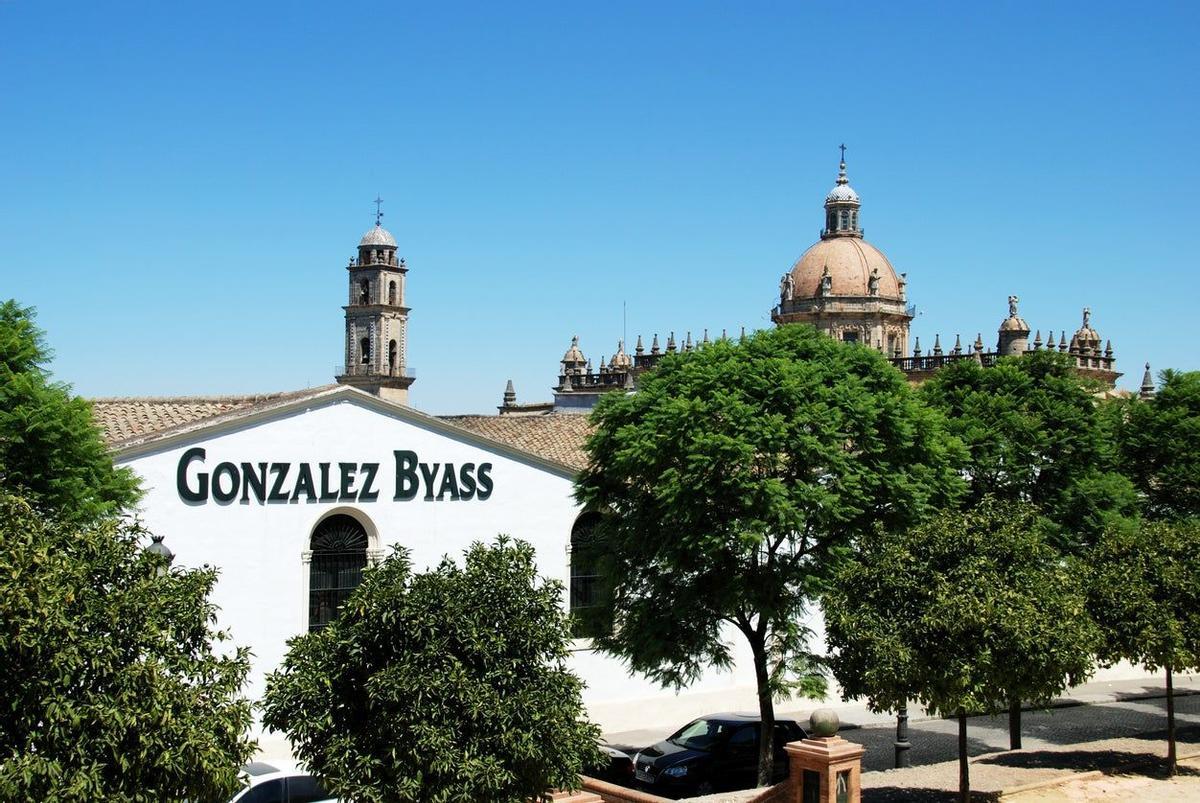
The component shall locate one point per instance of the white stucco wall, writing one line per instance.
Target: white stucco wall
(258, 547)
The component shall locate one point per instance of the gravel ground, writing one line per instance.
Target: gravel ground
(1141, 786)
(993, 773)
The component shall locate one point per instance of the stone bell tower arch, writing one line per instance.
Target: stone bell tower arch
(376, 318)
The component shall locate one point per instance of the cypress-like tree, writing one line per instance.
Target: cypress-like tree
(50, 449)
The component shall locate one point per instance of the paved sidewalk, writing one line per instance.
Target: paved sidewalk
(1026, 774)
(1138, 785)
(988, 734)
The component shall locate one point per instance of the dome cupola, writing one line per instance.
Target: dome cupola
(842, 207)
(378, 236)
(843, 285)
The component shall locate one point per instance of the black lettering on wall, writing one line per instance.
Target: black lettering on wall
(346, 488)
(256, 482)
(280, 470)
(327, 494)
(186, 492)
(225, 470)
(368, 492)
(406, 475)
(485, 481)
(449, 484)
(429, 474)
(304, 484)
(466, 479)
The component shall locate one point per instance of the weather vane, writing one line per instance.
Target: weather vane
(378, 210)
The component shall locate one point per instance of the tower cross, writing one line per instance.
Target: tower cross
(843, 147)
(378, 210)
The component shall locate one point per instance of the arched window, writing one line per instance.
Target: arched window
(588, 588)
(392, 354)
(391, 292)
(364, 350)
(339, 555)
(844, 219)
(364, 291)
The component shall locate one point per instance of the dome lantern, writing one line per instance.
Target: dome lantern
(842, 207)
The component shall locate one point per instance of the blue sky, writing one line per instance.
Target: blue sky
(182, 183)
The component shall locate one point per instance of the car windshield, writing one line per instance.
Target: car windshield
(703, 734)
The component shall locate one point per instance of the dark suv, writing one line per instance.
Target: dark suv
(715, 753)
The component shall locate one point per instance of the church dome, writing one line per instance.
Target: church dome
(842, 193)
(574, 355)
(851, 261)
(377, 236)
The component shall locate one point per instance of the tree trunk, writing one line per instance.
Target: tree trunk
(964, 772)
(1171, 765)
(1014, 725)
(766, 710)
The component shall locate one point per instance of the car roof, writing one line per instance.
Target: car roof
(738, 717)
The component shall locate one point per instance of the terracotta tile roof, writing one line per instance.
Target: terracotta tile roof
(555, 436)
(128, 417)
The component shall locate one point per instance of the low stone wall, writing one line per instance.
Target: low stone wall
(779, 793)
(611, 793)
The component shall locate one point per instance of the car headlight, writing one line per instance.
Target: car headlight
(678, 771)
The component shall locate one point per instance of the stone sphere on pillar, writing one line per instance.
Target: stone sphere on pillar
(823, 723)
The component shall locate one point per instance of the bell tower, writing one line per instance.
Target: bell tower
(376, 318)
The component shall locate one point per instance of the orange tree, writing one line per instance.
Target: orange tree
(731, 480)
(963, 613)
(443, 685)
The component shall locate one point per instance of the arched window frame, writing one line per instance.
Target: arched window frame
(374, 555)
(586, 588)
(364, 291)
(364, 351)
(392, 292)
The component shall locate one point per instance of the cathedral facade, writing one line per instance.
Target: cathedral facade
(847, 288)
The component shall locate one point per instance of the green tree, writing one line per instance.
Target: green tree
(1144, 592)
(447, 685)
(116, 686)
(1159, 443)
(964, 612)
(50, 450)
(731, 480)
(1034, 433)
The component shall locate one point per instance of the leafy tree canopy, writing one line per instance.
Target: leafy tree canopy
(114, 687)
(1144, 581)
(729, 480)
(445, 685)
(967, 611)
(1033, 433)
(1160, 446)
(50, 450)
(1144, 592)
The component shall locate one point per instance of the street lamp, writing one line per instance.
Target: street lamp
(160, 549)
(902, 744)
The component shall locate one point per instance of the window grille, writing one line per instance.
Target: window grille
(588, 586)
(339, 555)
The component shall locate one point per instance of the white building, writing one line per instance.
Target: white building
(291, 495)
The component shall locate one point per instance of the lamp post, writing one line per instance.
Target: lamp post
(157, 547)
(902, 743)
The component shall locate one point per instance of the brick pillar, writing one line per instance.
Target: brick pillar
(817, 765)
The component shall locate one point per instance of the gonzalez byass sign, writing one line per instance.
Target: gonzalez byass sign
(329, 482)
